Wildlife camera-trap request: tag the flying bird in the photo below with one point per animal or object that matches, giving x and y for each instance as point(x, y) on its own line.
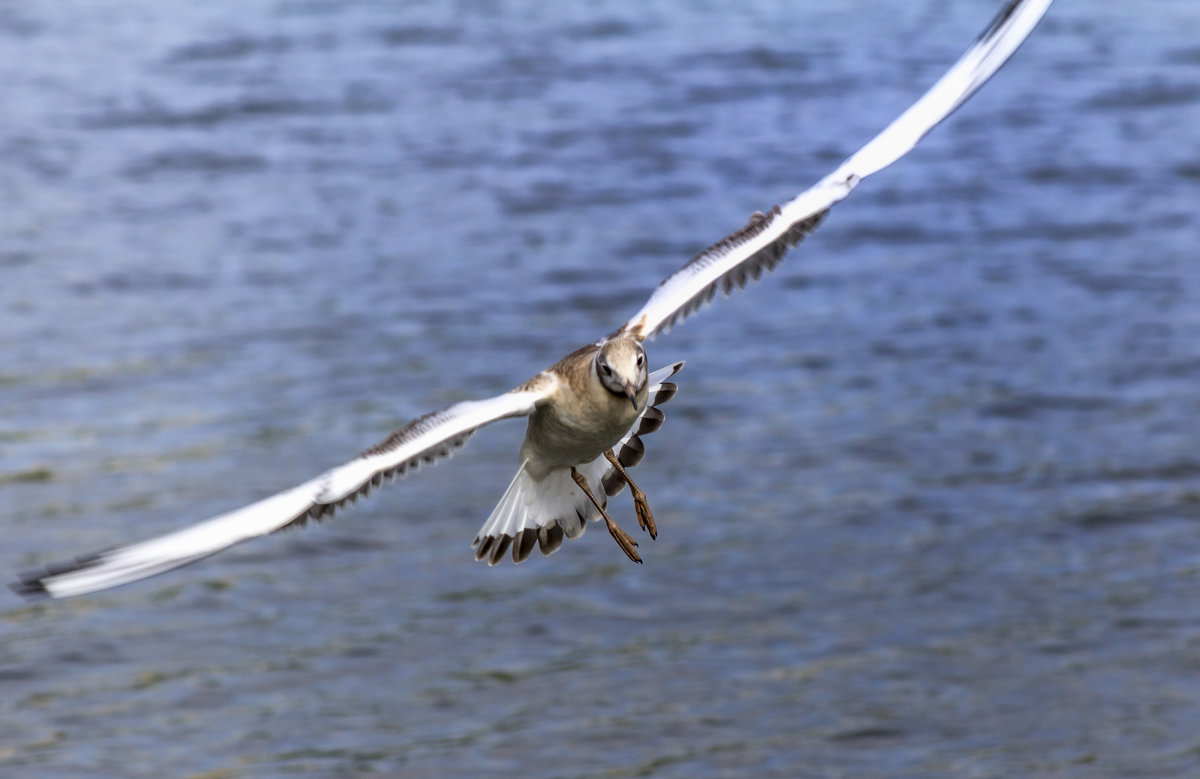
point(589, 411)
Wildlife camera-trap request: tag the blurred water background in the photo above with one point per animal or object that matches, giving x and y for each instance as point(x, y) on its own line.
point(929, 497)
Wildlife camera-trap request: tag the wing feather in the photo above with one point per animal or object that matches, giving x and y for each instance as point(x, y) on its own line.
point(425, 440)
point(763, 242)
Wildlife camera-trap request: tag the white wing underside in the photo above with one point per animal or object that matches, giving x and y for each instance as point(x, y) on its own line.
point(427, 439)
point(763, 242)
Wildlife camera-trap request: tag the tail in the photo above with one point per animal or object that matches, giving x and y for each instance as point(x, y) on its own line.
point(541, 513)
point(537, 513)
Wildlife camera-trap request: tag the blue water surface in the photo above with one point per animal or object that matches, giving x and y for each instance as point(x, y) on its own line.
point(928, 497)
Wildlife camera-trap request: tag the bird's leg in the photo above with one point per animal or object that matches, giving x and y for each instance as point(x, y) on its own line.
point(645, 518)
point(622, 538)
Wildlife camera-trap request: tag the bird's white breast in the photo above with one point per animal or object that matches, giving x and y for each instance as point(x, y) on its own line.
point(577, 427)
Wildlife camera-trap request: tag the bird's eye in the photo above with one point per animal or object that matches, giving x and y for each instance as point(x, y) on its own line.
point(641, 360)
point(607, 370)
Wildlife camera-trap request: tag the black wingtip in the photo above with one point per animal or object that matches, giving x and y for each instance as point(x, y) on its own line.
point(29, 586)
point(32, 584)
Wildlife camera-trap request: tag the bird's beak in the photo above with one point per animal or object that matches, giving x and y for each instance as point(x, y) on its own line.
point(631, 393)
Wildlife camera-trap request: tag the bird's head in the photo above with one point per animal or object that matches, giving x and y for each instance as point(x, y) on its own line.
point(621, 366)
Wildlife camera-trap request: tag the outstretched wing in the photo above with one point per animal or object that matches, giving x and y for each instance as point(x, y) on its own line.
point(425, 440)
point(762, 243)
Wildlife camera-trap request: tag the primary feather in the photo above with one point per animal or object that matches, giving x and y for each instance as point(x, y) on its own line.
point(762, 243)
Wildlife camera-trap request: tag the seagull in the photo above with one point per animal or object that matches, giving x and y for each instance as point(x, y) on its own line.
point(588, 412)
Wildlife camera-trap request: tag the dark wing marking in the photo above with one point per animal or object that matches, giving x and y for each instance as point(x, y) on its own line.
point(425, 440)
point(761, 244)
point(630, 450)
